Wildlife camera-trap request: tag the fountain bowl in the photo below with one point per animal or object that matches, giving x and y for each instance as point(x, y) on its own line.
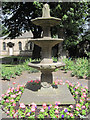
point(46, 21)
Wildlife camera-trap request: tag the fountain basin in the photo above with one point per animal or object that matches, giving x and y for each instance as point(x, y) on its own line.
point(47, 67)
point(46, 21)
point(46, 41)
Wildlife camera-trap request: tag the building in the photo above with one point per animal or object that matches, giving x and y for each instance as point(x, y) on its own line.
point(23, 47)
point(18, 46)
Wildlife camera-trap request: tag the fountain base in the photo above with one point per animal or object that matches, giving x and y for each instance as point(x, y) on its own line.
point(48, 96)
point(46, 79)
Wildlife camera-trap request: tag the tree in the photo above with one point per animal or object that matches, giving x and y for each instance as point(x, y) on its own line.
point(72, 19)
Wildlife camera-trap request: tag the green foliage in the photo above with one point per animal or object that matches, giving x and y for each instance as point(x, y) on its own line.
point(11, 71)
point(79, 67)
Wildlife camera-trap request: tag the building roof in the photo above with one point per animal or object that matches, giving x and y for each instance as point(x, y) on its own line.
point(25, 35)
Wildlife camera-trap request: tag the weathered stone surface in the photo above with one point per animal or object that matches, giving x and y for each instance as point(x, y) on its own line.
point(48, 96)
point(46, 11)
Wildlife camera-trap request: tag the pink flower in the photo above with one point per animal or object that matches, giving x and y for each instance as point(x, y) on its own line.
point(67, 81)
point(76, 92)
point(71, 114)
point(86, 87)
point(32, 109)
point(13, 111)
point(14, 83)
point(81, 100)
point(7, 94)
point(13, 96)
point(56, 106)
point(12, 89)
point(33, 104)
point(83, 106)
point(19, 92)
point(7, 101)
point(84, 95)
point(8, 90)
point(12, 100)
point(68, 113)
point(77, 109)
point(56, 111)
point(84, 90)
point(42, 110)
point(44, 104)
point(87, 98)
point(70, 84)
point(22, 105)
point(78, 84)
point(14, 115)
point(7, 112)
point(60, 81)
point(29, 105)
point(78, 105)
point(76, 87)
point(50, 105)
point(57, 103)
point(44, 107)
point(2, 95)
point(56, 82)
point(71, 106)
point(14, 104)
point(0, 98)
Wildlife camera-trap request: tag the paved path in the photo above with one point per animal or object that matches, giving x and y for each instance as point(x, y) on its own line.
point(4, 84)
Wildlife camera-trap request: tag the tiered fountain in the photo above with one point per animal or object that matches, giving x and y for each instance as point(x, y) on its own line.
point(46, 66)
point(47, 93)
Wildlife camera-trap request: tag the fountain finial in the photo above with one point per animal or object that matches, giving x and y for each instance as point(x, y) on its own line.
point(46, 11)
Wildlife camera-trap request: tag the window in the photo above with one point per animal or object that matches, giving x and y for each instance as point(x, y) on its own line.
point(4, 46)
point(20, 45)
point(31, 46)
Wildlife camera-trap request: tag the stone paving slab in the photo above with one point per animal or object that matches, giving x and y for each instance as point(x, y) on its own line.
point(48, 96)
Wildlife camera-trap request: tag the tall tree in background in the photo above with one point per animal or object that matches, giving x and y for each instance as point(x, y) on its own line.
point(73, 15)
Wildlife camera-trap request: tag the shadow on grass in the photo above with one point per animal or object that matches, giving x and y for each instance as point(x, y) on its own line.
point(13, 60)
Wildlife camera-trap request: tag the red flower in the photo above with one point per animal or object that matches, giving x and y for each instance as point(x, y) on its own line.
point(14, 83)
point(31, 81)
point(35, 81)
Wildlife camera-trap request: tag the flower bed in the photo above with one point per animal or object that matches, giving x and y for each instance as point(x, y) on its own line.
point(10, 104)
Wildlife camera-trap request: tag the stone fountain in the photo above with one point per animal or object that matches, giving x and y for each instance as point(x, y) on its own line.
point(47, 93)
point(46, 66)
